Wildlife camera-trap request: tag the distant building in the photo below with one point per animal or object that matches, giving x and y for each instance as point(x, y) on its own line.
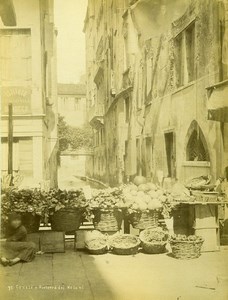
point(72, 103)
point(28, 81)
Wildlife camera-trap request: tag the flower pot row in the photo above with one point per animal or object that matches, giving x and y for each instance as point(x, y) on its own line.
point(69, 220)
point(66, 210)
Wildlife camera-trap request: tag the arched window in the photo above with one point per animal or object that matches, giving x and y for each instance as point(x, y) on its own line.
point(196, 149)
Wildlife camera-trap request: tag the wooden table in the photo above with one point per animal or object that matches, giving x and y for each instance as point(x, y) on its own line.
point(200, 218)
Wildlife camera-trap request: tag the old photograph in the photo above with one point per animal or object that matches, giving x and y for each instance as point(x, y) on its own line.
point(114, 149)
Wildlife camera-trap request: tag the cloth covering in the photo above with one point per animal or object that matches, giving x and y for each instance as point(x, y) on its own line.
point(17, 246)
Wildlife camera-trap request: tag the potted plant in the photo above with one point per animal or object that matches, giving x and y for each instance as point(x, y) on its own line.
point(66, 209)
point(106, 209)
point(28, 203)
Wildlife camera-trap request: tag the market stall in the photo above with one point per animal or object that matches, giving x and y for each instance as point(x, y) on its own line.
point(189, 217)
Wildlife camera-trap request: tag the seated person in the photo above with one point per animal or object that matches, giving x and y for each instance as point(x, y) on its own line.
point(15, 247)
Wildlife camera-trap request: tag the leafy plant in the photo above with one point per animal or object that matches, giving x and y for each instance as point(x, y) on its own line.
point(57, 199)
point(73, 137)
point(107, 199)
point(21, 201)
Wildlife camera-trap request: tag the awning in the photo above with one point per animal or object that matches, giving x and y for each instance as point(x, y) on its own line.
point(218, 103)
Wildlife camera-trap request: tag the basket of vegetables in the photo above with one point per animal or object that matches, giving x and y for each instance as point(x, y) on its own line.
point(66, 209)
point(154, 240)
point(144, 204)
point(144, 219)
point(98, 245)
point(29, 203)
point(106, 208)
point(186, 247)
point(125, 244)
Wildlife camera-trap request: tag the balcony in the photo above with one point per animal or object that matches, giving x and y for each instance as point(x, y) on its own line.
point(96, 116)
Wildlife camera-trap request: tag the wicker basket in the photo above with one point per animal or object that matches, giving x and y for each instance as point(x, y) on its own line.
point(153, 247)
point(97, 249)
point(186, 249)
point(144, 219)
point(108, 220)
point(131, 249)
point(67, 220)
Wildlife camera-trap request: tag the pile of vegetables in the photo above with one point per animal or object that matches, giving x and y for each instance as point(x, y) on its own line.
point(153, 235)
point(22, 201)
point(146, 197)
point(57, 199)
point(124, 241)
point(135, 197)
point(142, 197)
point(40, 202)
point(96, 244)
point(107, 199)
point(185, 238)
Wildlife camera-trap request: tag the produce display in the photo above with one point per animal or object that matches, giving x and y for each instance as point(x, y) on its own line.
point(40, 203)
point(186, 247)
point(125, 244)
point(154, 235)
point(184, 238)
point(57, 199)
point(141, 202)
point(97, 245)
point(143, 197)
point(29, 203)
point(21, 201)
point(154, 240)
point(107, 199)
point(199, 183)
point(151, 197)
point(135, 197)
point(124, 241)
point(66, 209)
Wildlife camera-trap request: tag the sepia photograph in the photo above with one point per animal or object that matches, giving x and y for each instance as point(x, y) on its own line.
point(114, 149)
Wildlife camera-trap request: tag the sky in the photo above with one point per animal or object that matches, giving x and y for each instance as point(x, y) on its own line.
point(69, 21)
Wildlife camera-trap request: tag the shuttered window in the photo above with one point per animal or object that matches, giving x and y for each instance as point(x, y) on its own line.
point(22, 156)
point(15, 55)
point(26, 157)
point(4, 155)
point(185, 56)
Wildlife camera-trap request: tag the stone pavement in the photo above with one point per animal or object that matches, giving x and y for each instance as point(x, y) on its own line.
point(77, 275)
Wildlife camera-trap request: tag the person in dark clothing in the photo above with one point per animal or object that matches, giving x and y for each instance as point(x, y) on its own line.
point(15, 247)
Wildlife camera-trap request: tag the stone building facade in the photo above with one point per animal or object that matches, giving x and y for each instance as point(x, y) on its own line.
point(28, 81)
point(157, 88)
point(72, 103)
